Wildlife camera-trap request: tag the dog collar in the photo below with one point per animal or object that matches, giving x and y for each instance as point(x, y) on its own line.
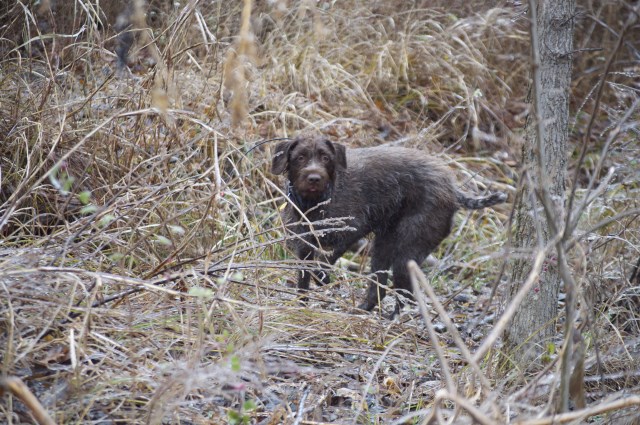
point(303, 205)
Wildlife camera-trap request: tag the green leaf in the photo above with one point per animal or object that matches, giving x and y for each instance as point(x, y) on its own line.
point(551, 348)
point(67, 182)
point(84, 197)
point(53, 178)
point(176, 229)
point(198, 291)
point(162, 240)
point(88, 209)
point(234, 417)
point(116, 256)
point(106, 220)
point(235, 364)
point(248, 406)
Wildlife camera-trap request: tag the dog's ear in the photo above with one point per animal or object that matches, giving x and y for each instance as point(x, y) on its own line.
point(341, 156)
point(340, 152)
point(280, 160)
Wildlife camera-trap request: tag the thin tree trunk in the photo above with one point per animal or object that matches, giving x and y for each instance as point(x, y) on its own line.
point(544, 168)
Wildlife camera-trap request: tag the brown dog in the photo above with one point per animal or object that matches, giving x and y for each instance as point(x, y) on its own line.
point(404, 197)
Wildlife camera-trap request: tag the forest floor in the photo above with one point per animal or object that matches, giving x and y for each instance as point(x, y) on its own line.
point(143, 268)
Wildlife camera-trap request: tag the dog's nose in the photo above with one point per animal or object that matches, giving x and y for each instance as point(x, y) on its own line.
point(314, 178)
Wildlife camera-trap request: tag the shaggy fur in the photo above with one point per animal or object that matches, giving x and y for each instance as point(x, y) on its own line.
point(404, 197)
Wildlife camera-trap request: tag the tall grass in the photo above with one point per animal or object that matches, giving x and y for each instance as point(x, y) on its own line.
point(142, 266)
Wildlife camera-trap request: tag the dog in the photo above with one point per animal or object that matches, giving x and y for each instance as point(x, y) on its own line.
point(336, 196)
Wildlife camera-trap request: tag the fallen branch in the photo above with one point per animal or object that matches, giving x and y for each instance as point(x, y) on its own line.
point(19, 389)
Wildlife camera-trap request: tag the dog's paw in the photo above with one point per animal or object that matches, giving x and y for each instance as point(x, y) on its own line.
point(321, 277)
point(358, 310)
point(366, 306)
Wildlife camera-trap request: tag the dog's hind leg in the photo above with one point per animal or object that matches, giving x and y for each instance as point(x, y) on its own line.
point(380, 264)
point(413, 238)
point(402, 280)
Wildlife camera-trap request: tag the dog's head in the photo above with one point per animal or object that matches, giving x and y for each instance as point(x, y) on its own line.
point(311, 165)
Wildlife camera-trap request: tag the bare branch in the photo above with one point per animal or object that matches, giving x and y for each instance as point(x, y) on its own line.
point(514, 303)
point(581, 415)
point(18, 388)
point(419, 277)
point(433, 337)
point(631, 19)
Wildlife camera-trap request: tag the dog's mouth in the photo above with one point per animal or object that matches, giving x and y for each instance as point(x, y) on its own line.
point(313, 191)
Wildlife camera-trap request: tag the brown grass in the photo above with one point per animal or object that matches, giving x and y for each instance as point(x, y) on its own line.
point(142, 267)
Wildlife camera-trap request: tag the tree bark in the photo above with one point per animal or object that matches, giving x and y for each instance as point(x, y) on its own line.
point(544, 159)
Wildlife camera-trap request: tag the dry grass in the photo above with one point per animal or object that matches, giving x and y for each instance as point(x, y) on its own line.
point(142, 267)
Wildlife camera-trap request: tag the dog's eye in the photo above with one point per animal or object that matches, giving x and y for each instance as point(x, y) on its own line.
point(300, 158)
point(324, 158)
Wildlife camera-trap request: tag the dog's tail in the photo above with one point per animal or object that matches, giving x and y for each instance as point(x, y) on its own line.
point(478, 203)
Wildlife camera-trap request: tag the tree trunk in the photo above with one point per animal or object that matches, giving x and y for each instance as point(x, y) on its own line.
point(544, 168)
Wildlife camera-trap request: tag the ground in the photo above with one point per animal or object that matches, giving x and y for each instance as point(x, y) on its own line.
point(143, 268)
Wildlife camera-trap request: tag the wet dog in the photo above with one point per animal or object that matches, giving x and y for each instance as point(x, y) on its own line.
point(406, 198)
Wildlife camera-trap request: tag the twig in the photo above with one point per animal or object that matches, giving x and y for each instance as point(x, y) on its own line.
point(416, 273)
point(301, 406)
point(515, 302)
point(444, 364)
point(633, 16)
point(365, 390)
point(569, 244)
point(479, 416)
point(584, 413)
point(568, 347)
point(18, 388)
point(575, 216)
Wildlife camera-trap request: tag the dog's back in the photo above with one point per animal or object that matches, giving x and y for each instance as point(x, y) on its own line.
point(381, 183)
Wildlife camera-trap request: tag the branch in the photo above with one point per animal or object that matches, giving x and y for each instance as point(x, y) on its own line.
point(451, 386)
point(515, 302)
point(584, 413)
point(633, 16)
point(418, 276)
point(18, 388)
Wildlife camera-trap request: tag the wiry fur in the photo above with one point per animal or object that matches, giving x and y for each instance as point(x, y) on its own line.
point(404, 197)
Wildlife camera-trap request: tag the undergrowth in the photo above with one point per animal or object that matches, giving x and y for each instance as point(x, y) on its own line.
point(142, 261)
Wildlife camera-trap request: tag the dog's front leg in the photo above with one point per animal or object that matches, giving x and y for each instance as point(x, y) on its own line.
point(304, 275)
point(321, 275)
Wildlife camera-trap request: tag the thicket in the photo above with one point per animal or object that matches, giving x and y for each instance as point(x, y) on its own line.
point(142, 266)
